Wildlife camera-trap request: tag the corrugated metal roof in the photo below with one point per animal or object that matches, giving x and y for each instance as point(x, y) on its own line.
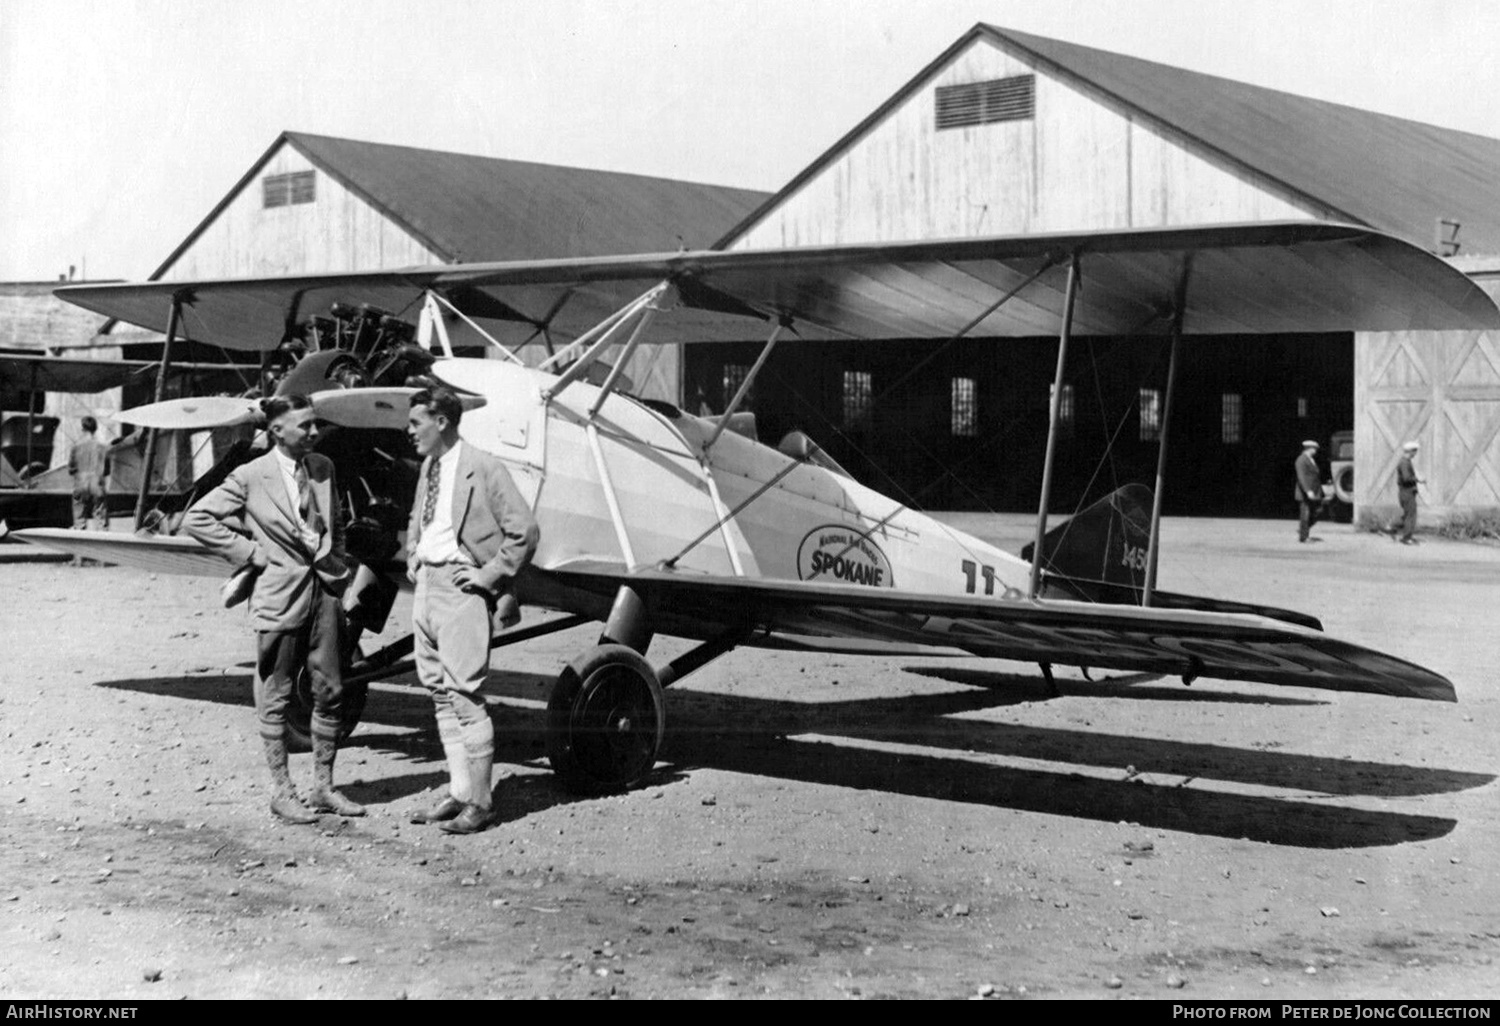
point(1393, 174)
point(469, 208)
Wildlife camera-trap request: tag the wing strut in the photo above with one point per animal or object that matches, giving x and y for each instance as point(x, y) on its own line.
point(669, 564)
point(744, 389)
point(609, 326)
point(605, 389)
point(149, 457)
point(1056, 410)
point(431, 322)
point(1154, 546)
point(30, 426)
point(432, 315)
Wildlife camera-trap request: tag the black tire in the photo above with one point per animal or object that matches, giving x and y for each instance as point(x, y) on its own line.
point(1343, 485)
point(299, 712)
point(605, 721)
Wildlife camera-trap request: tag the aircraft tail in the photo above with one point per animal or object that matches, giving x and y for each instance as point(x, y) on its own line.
point(1100, 555)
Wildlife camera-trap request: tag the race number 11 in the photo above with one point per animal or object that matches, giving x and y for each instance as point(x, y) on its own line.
point(971, 574)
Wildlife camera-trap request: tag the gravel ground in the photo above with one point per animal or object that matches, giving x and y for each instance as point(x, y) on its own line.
point(821, 826)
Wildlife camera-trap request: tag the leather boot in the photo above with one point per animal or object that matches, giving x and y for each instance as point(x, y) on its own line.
point(478, 814)
point(323, 797)
point(285, 804)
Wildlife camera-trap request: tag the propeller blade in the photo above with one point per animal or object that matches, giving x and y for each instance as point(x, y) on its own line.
point(373, 407)
point(192, 414)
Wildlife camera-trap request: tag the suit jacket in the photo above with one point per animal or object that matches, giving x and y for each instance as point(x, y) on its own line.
point(1406, 475)
point(250, 519)
point(491, 521)
point(1309, 480)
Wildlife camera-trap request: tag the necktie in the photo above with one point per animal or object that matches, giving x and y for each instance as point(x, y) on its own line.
point(305, 506)
point(430, 500)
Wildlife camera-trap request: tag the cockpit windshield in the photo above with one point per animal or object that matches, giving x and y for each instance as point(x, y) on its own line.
point(797, 445)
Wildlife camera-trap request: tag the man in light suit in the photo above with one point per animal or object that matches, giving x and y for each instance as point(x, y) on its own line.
point(1309, 490)
point(276, 520)
point(471, 533)
point(88, 462)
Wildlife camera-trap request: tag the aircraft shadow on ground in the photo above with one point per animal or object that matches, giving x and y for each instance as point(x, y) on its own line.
point(760, 737)
point(1020, 688)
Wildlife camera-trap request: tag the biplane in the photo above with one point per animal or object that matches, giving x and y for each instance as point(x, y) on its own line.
point(31, 494)
point(655, 520)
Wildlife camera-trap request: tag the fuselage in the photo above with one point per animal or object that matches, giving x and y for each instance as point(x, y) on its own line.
point(637, 485)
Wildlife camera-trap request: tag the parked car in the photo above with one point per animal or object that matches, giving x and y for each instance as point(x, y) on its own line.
point(1341, 469)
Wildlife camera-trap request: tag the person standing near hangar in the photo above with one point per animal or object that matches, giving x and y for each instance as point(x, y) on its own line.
point(88, 462)
point(1309, 490)
point(1406, 493)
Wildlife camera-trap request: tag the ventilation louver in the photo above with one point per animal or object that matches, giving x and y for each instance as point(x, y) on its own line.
point(980, 103)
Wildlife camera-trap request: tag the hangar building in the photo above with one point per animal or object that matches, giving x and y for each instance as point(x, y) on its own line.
point(1009, 133)
point(313, 203)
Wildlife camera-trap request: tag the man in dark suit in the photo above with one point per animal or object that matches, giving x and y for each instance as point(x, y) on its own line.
point(471, 532)
point(276, 520)
point(1309, 490)
point(1406, 493)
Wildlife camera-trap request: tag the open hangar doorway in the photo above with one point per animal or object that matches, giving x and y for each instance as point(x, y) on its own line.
point(962, 425)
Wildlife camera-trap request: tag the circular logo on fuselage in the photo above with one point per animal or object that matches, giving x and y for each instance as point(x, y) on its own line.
point(840, 555)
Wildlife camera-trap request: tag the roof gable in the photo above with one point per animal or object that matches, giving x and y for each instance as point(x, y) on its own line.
point(1392, 173)
point(1344, 163)
point(468, 208)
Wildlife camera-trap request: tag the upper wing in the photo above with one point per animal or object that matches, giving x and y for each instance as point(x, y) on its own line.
point(1191, 643)
point(74, 374)
point(1267, 277)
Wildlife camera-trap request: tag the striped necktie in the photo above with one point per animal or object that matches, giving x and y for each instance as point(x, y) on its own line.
point(430, 500)
point(305, 505)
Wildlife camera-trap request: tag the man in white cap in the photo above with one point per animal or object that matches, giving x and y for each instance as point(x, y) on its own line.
point(1406, 490)
point(1309, 490)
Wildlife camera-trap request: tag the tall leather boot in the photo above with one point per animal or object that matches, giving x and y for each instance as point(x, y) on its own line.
point(285, 805)
point(323, 797)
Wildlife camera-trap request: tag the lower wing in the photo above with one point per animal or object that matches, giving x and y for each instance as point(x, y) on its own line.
point(158, 554)
point(1190, 643)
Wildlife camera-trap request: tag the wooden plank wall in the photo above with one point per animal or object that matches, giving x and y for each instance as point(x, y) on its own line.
point(1441, 390)
point(339, 231)
point(1077, 165)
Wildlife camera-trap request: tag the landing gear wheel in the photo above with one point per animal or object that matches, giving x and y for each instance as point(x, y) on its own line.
point(605, 720)
point(299, 710)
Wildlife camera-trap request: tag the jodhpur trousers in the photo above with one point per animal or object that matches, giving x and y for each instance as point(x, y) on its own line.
point(281, 655)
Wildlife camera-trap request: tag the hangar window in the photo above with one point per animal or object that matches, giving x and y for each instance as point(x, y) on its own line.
point(734, 377)
point(1066, 412)
point(282, 190)
point(857, 393)
point(1233, 420)
point(965, 407)
point(1150, 402)
point(980, 103)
